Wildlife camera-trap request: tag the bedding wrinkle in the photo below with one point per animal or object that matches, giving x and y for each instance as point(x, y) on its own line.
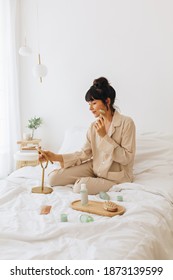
point(143, 232)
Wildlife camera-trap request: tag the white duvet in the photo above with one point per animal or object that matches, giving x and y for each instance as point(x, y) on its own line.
point(144, 231)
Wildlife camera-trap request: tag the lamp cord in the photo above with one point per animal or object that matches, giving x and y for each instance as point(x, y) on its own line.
point(38, 27)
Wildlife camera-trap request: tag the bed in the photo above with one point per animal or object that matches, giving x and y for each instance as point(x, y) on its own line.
point(143, 232)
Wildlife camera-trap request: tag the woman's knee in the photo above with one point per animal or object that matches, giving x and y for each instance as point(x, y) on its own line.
point(61, 177)
point(57, 178)
point(52, 178)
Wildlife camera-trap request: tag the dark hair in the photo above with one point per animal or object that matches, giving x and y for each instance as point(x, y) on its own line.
point(101, 90)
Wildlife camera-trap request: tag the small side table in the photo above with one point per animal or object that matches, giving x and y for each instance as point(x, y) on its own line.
point(27, 155)
point(29, 145)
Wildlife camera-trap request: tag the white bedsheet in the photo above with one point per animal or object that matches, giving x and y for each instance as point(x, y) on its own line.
point(144, 231)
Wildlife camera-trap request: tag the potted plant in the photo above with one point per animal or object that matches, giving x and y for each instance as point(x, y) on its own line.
point(33, 124)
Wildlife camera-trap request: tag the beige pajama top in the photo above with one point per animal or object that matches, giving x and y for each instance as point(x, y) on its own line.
point(112, 155)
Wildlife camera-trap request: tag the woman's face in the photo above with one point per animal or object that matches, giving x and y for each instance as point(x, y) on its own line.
point(95, 106)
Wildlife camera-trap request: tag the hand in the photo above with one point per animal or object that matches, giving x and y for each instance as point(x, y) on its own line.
point(100, 126)
point(45, 156)
point(49, 156)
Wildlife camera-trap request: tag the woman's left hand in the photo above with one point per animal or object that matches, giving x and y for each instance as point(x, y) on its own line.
point(100, 127)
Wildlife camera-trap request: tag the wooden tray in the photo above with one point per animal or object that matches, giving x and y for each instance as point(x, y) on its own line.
point(96, 207)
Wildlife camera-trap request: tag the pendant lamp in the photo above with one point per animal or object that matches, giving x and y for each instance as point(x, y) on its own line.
point(25, 50)
point(39, 70)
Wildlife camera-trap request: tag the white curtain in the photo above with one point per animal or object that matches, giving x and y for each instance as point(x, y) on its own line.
point(9, 99)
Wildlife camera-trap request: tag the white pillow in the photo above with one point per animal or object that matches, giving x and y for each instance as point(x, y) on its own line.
point(74, 139)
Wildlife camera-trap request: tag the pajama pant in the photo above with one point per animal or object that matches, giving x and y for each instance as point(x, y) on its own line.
point(80, 174)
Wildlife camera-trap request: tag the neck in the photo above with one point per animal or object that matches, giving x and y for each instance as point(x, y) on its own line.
point(108, 116)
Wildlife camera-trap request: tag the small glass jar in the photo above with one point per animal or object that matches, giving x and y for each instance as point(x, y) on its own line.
point(64, 217)
point(84, 218)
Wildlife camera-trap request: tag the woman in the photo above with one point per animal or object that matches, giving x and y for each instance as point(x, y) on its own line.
point(107, 157)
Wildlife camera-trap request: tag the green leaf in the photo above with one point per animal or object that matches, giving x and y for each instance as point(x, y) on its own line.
point(34, 123)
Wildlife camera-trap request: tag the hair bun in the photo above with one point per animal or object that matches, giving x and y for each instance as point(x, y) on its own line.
point(101, 83)
point(101, 90)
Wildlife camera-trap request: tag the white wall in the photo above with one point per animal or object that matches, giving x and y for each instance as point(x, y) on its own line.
point(128, 41)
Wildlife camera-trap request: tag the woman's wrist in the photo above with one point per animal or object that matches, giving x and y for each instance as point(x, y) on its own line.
point(59, 158)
